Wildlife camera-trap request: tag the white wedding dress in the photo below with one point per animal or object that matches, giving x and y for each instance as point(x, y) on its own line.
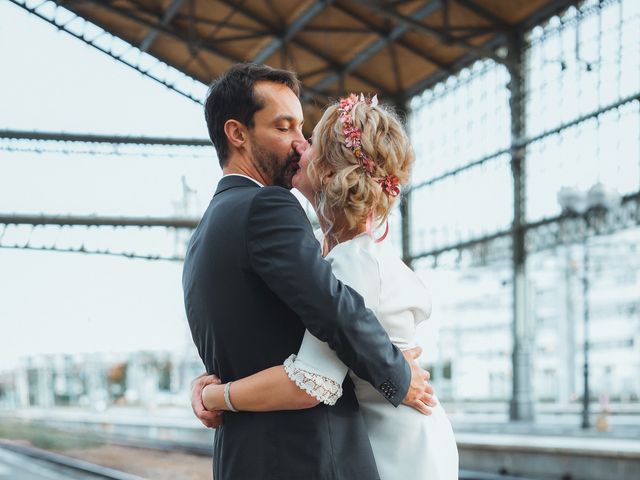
point(406, 443)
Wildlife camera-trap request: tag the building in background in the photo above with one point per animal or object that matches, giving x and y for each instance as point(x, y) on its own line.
point(472, 361)
point(99, 380)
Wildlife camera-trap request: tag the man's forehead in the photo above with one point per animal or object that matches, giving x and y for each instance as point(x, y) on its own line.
point(279, 100)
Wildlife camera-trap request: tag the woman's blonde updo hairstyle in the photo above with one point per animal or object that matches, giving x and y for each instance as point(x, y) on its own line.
point(341, 182)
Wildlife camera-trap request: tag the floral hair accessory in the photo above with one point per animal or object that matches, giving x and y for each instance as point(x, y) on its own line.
point(390, 185)
point(352, 134)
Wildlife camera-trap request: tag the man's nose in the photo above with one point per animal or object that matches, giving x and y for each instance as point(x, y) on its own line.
point(300, 136)
point(300, 146)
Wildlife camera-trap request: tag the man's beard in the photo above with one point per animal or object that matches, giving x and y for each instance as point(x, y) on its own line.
point(279, 170)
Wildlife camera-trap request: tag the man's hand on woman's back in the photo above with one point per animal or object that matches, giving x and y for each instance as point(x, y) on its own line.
point(420, 393)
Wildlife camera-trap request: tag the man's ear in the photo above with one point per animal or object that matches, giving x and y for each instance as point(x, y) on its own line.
point(236, 133)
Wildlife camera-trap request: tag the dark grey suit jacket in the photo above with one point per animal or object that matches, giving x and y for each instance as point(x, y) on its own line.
point(253, 279)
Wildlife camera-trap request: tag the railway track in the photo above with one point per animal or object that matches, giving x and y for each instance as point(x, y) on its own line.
point(73, 468)
point(30, 463)
point(206, 450)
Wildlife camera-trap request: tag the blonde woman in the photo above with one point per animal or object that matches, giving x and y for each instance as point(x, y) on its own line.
point(351, 172)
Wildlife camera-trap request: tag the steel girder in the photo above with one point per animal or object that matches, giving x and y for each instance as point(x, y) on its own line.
point(112, 139)
point(93, 220)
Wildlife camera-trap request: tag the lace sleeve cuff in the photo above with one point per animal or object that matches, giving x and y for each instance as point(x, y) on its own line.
point(321, 388)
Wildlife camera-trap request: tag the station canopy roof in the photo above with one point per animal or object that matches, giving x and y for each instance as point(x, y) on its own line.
point(393, 48)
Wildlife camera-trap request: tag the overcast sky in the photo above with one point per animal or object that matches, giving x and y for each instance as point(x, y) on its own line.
point(63, 302)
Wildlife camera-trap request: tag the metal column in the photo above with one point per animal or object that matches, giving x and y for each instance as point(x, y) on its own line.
point(405, 213)
point(566, 332)
point(521, 407)
point(405, 198)
point(586, 423)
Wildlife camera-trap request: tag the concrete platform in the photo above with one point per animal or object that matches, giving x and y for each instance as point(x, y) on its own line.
point(534, 451)
point(551, 457)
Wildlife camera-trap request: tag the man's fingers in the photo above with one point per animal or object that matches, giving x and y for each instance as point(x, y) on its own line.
point(417, 394)
point(422, 408)
point(429, 399)
point(414, 352)
point(428, 389)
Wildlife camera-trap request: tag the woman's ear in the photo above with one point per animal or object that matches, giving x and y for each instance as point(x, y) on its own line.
point(236, 133)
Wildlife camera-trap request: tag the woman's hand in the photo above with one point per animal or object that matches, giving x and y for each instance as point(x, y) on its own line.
point(213, 397)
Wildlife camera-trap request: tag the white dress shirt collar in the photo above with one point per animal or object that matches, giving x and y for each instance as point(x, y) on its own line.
point(245, 176)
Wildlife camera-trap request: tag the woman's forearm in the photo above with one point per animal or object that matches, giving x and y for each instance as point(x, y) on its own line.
point(265, 391)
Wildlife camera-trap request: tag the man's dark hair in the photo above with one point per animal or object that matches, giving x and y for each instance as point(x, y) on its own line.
point(232, 96)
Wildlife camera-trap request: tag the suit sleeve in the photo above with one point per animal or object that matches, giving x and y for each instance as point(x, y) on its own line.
point(282, 250)
point(316, 368)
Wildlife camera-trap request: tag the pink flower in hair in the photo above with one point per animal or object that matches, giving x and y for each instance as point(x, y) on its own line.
point(352, 143)
point(351, 131)
point(390, 185)
point(352, 134)
point(347, 103)
point(369, 165)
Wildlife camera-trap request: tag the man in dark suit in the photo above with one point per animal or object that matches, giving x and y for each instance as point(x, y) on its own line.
point(254, 279)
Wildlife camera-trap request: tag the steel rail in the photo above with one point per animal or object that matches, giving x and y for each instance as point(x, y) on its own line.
point(202, 449)
point(97, 471)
